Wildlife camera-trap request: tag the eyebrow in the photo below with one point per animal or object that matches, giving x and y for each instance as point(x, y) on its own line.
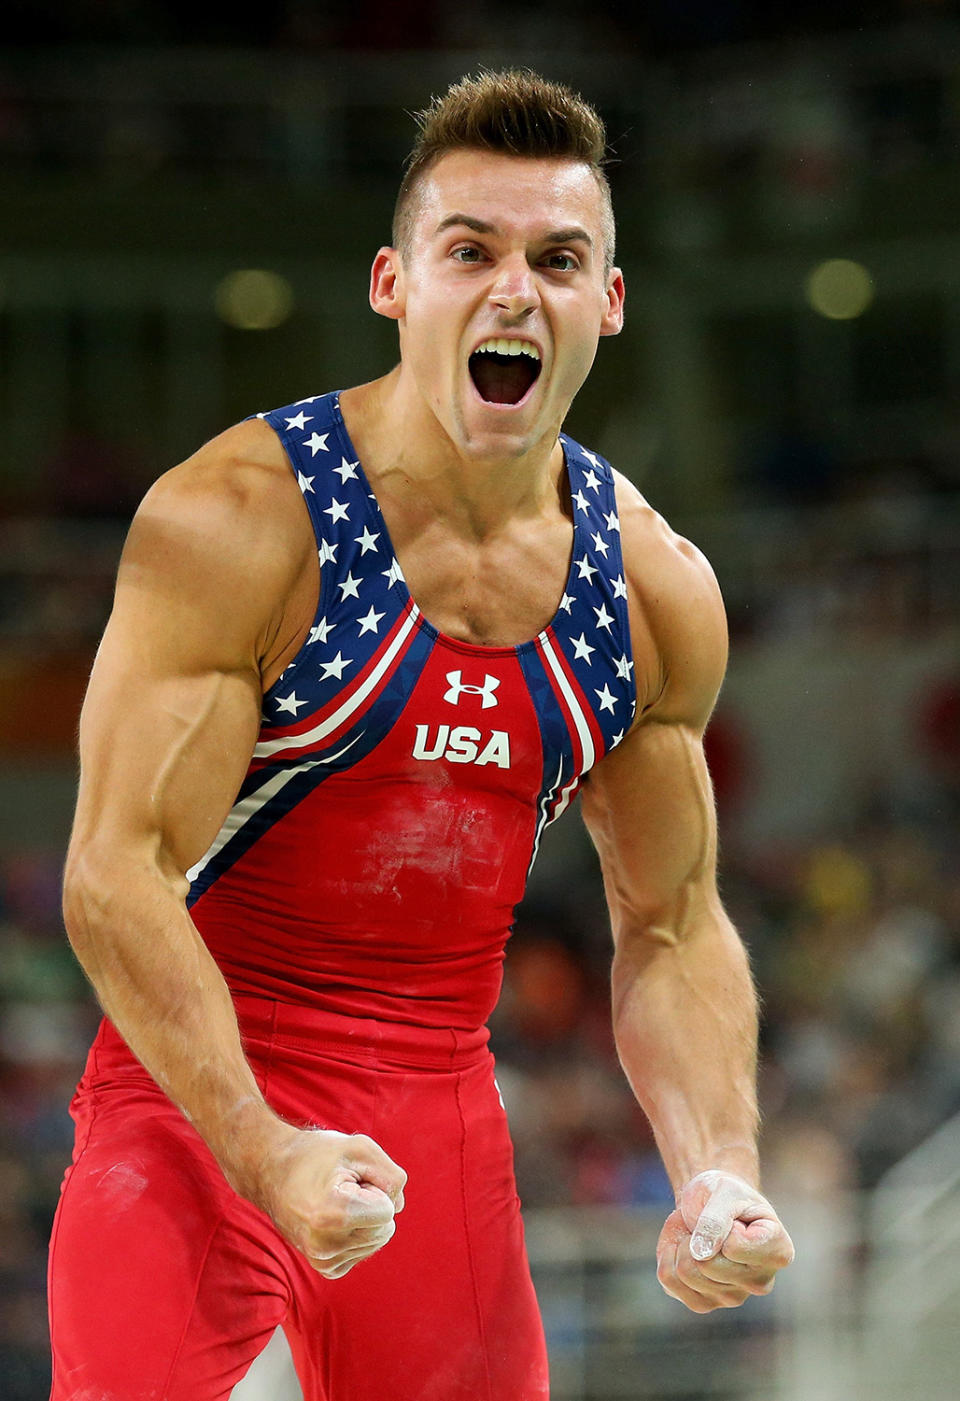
point(572, 235)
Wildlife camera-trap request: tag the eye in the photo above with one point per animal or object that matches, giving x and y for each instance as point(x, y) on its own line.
point(466, 253)
point(561, 262)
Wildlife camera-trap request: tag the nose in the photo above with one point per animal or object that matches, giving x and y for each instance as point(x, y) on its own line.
point(514, 288)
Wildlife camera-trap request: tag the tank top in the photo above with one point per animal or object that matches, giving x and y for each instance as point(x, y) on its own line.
point(402, 779)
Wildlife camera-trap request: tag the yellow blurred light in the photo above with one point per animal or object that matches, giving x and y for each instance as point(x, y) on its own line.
point(840, 289)
point(252, 299)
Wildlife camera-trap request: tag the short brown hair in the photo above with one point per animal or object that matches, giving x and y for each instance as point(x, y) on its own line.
point(515, 112)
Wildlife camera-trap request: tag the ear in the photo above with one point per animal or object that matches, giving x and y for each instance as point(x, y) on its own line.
point(611, 323)
point(386, 284)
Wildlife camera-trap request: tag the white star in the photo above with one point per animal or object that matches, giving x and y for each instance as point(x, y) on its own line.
point(624, 668)
point(346, 469)
point(586, 569)
point(349, 587)
point(336, 667)
point(617, 738)
point(290, 704)
point(337, 511)
point(370, 621)
point(612, 522)
point(601, 544)
point(581, 501)
point(607, 699)
point(582, 649)
point(300, 421)
point(592, 481)
point(566, 601)
point(316, 441)
point(304, 483)
point(312, 400)
point(394, 574)
point(619, 587)
point(604, 619)
point(327, 552)
point(322, 631)
point(591, 458)
point(366, 541)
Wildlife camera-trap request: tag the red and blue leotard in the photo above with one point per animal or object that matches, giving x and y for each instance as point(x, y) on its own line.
point(402, 779)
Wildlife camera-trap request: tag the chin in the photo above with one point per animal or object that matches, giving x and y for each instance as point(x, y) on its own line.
point(487, 430)
point(503, 438)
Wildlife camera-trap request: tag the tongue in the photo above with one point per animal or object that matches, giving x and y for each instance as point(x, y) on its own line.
point(502, 379)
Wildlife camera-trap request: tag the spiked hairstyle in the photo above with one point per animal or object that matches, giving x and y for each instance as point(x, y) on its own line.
point(515, 112)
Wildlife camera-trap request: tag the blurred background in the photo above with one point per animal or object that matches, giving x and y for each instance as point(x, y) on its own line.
point(189, 202)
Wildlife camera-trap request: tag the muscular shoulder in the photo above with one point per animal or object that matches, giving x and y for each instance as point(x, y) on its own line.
point(676, 612)
point(227, 525)
point(239, 481)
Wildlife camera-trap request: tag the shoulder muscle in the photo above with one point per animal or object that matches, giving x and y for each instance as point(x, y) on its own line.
point(214, 549)
point(675, 609)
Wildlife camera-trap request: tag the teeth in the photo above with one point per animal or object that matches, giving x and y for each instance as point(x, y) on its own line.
point(508, 347)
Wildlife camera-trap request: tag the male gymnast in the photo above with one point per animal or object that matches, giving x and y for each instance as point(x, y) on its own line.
point(364, 648)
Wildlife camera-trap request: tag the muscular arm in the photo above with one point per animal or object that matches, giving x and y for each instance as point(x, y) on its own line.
point(168, 726)
point(684, 1007)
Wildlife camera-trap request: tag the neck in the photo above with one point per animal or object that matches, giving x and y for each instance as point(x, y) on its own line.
point(405, 449)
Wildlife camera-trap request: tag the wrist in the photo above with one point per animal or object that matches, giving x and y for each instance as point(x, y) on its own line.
point(736, 1160)
point(249, 1135)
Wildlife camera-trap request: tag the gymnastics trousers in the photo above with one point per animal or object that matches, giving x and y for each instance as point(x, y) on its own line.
point(165, 1284)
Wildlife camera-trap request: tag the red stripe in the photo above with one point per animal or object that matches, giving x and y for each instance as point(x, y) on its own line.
point(562, 703)
point(599, 743)
point(572, 731)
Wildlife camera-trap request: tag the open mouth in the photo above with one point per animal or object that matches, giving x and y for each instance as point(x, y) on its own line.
point(503, 371)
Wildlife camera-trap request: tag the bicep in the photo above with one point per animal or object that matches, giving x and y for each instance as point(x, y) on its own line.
point(172, 711)
point(649, 810)
point(649, 804)
point(163, 751)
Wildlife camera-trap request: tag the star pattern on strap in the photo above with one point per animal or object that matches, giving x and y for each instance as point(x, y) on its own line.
point(367, 541)
point(370, 621)
point(582, 649)
point(290, 704)
point(336, 667)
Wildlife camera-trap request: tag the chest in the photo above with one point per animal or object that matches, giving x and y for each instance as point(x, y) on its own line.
point(498, 592)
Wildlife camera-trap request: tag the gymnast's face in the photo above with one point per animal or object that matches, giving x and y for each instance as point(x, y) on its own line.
point(501, 296)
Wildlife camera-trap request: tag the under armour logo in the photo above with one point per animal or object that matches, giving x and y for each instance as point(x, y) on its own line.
point(457, 688)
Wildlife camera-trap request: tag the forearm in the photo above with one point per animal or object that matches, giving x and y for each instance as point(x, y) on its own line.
point(685, 1023)
point(159, 986)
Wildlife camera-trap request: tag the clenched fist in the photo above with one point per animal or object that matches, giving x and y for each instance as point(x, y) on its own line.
point(334, 1196)
point(723, 1243)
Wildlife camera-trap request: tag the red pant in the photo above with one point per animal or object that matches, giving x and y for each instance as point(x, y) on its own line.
point(164, 1284)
